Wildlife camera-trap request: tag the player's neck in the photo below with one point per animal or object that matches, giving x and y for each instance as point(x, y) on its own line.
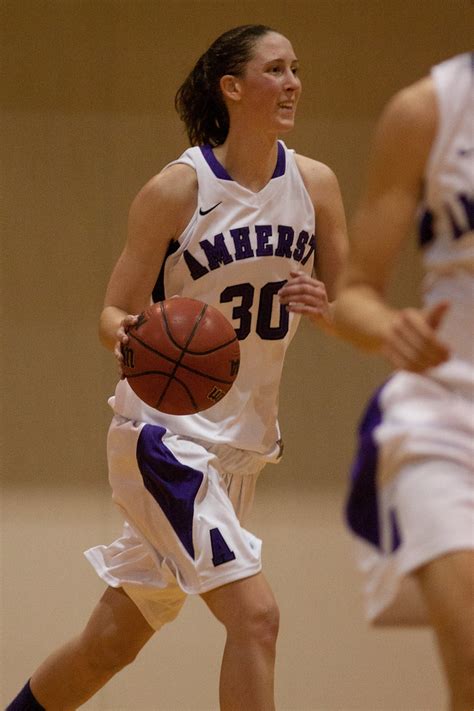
point(250, 163)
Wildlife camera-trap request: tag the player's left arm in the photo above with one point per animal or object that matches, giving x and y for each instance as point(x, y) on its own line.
point(313, 296)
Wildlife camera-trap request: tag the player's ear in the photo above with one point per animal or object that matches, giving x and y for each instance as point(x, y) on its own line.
point(230, 87)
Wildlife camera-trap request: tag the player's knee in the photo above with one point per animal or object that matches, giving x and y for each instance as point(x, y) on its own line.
point(106, 656)
point(260, 623)
point(264, 624)
point(111, 660)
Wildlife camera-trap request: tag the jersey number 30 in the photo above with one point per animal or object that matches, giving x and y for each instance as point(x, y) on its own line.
point(267, 330)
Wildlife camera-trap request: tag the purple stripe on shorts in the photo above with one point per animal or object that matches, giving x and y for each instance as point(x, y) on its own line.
point(172, 484)
point(362, 505)
point(395, 530)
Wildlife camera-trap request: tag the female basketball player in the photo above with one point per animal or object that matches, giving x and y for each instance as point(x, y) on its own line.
point(232, 222)
point(412, 500)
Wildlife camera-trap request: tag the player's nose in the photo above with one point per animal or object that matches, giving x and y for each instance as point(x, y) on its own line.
point(292, 81)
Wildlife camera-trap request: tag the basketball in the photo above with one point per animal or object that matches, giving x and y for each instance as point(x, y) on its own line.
point(182, 356)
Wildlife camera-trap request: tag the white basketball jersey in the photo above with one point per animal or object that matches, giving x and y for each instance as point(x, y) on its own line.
point(235, 254)
point(447, 221)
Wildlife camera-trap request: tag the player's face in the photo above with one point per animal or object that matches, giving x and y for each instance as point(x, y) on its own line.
point(270, 84)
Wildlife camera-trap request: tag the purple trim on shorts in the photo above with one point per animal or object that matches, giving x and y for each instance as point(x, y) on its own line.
point(173, 485)
point(362, 504)
point(395, 531)
point(221, 173)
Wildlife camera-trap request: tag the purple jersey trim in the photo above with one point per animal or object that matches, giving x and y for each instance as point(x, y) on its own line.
point(281, 162)
point(218, 169)
point(221, 173)
point(173, 485)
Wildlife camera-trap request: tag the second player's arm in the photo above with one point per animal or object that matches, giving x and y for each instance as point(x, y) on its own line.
point(381, 224)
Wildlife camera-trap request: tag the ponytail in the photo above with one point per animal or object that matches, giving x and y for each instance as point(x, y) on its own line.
point(199, 101)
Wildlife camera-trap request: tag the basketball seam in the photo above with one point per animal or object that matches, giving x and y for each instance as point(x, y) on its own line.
point(172, 375)
point(177, 362)
point(188, 352)
point(185, 388)
point(185, 367)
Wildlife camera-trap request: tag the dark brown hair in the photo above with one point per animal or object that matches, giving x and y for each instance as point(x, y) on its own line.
point(199, 100)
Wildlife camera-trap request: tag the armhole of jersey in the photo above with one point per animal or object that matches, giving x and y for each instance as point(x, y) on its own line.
point(442, 76)
point(184, 159)
point(178, 244)
point(436, 148)
point(292, 158)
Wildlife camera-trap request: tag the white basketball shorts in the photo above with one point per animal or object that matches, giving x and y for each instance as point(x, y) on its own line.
point(412, 490)
point(183, 502)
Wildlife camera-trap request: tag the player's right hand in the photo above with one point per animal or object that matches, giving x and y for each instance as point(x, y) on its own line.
point(122, 338)
point(412, 342)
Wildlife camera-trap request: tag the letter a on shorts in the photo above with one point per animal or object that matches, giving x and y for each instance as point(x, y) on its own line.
point(221, 552)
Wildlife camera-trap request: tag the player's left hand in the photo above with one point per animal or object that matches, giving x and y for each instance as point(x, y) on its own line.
point(303, 294)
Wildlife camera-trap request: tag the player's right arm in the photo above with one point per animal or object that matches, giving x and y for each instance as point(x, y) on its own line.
point(385, 215)
point(158, 214)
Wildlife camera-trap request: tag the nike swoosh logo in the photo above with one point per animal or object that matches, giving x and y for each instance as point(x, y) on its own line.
point(206, 212)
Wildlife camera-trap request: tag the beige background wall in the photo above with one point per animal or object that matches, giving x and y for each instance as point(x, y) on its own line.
point(87, 117)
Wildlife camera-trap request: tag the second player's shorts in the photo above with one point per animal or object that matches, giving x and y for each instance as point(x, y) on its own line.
point(412, 489)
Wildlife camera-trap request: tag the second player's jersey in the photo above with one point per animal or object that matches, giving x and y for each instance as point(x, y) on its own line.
point(235, 254)
point(447, 220)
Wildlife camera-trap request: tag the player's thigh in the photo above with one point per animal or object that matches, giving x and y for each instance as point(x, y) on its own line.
point(116, 629)
point(243, 604)
point(448, 587)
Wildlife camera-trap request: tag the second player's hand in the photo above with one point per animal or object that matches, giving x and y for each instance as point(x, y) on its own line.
point(303, 294)
point(412, 342)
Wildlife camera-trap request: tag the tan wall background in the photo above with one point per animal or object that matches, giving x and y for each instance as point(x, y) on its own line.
point(86, 118)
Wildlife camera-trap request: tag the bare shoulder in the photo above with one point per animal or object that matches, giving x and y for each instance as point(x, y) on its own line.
point(416, 100)
point(411, 115)
point(403, 138)
point(317, 177)
point(175, 185)
point(169, 198)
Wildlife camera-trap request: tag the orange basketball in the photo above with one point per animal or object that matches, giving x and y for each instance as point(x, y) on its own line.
point(182, 356)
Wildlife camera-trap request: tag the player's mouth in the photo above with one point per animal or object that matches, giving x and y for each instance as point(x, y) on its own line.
point(287, 105)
